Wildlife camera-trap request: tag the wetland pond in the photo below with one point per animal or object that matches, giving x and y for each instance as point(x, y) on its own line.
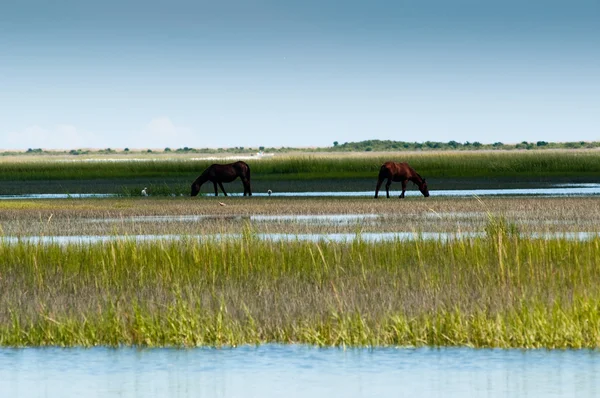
point(585, 189)
point(334, 237)
point(277, 237)
point(273, 370)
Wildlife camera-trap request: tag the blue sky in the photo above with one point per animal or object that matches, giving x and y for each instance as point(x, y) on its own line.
point(152, 74)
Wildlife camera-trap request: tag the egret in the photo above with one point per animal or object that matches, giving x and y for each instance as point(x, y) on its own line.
point(144, 193)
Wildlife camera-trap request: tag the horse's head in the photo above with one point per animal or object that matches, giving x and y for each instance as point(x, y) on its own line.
point(423, 188)
point(195, 188)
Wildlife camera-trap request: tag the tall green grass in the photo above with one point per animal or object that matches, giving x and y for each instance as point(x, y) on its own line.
point(438, 165)
point(499, 291)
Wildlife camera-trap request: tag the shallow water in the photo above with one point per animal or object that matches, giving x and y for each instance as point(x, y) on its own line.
point(333, 237)
point(276, 237)
point(587, 189)
point(298, 371)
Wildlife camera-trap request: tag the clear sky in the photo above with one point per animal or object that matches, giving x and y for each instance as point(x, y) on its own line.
point(154, 73)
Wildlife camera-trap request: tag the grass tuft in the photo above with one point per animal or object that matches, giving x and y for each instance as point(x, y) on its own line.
point(479, 292)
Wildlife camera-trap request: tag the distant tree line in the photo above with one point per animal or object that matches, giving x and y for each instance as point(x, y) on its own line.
point(360, 146)
point(387, 145)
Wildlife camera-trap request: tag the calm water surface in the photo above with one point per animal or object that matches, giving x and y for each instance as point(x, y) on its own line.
point(332, 237)
point(574, 190)
point(586, 189)
point(298, 371)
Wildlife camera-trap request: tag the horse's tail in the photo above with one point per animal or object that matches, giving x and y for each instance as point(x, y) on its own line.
point(383, 172)
point(247, 185)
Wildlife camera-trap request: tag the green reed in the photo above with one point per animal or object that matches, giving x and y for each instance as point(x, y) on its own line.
point(305, 167)
point(503, 290)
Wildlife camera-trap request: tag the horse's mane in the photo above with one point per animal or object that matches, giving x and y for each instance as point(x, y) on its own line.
point(418, 176)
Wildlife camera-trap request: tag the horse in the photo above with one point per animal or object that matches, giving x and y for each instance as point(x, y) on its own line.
point(399, 172)
point(220, 173)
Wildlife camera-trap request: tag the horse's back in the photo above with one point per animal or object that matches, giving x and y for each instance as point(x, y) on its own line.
point(242, 168)
point(228, 166)
point(395, 170)
point(241, 164)
point(228, 172)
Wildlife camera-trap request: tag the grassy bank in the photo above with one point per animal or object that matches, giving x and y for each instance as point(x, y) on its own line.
point(497, 291)
point(430, 164)
point(203, 216)
point(298, 173)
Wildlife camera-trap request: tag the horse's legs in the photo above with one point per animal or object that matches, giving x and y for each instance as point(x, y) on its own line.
point(222, 189)
point(403, 188)
point(216, 192)
point(246, 187)
point(387, 187)
point(379, 182)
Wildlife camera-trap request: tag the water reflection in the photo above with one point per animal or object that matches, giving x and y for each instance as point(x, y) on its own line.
point(298, 371)
point(277, 237)
point(332, 237)
point(585, 189)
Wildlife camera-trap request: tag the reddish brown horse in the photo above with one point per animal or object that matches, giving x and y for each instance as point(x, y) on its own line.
point(399, 172)
point(220, 173)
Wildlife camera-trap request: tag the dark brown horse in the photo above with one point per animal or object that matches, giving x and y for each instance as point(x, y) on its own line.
point(399, 172)
point(220, 173)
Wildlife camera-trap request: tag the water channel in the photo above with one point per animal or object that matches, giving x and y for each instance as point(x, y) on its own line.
point(298, 371)
point(586, 189)
point(277, 237)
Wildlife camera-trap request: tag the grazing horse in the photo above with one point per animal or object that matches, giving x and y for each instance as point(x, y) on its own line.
point(399, 172)
point(220, 173)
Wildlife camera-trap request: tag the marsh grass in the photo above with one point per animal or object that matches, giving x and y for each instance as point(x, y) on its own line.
point(302, 173)
point(204, 216)
point(435, 164)
point(499, 291)
point(502, 290)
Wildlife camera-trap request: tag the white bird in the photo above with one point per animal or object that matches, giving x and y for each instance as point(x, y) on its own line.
point(144, 193)
point(269, 192)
